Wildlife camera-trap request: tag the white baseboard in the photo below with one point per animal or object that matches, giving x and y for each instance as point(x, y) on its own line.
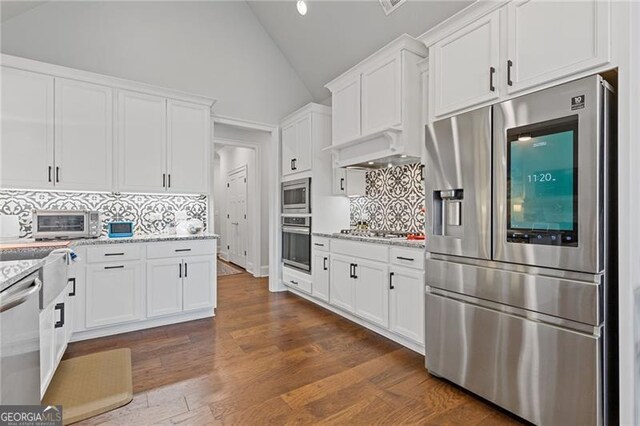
point(264, 271)
point(224, 255)
point(141, 325)
point(384, 332)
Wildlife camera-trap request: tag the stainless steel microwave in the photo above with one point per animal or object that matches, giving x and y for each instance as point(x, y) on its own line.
point(296, 196)
point(66, 224)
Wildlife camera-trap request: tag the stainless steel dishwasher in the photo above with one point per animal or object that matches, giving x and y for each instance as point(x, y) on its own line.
point(20, 342)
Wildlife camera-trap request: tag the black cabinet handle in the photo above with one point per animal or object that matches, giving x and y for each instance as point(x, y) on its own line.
point(114, 267)
point(324, 264)
point(164, 180)
point(509, 65)
point(179, 250)
point(351, 270)
point(408, 259)
point(341, 184)
point(355, 272)
point(492, 71)
point(169, 181)
point(49, 173)
point(391, 274)
point(57, 174)
point(318, 244)
point(186, 270)
point(422, 172)
point(293, 282)
point(73, 281)
point(180, 270)
point(291, 164)
point(114, 254)
point(59, 307)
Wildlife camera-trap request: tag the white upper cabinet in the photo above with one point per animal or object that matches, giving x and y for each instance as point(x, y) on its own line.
point(188, 138)
point(382, 95)
point(549, 40)
point(303, 136)
point(83, 136)
point(142, 147)
point(345, 100)
point(465, 66)
point(376, 105)
point(26, 145)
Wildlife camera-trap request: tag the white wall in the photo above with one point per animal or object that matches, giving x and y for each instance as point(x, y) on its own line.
point(217, 196)
point(217, 49)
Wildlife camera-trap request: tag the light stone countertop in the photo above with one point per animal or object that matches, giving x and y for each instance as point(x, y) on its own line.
point(400, 242)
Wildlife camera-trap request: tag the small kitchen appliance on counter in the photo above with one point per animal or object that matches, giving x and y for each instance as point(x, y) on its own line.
point(120, 229)
point(66, 224)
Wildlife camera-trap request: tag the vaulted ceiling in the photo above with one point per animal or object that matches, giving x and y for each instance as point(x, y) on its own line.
point(333, 35)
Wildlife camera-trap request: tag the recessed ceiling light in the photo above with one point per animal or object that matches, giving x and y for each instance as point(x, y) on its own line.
point(302, 7)
point(403, 156)
point(370, 163)
point(389, 165)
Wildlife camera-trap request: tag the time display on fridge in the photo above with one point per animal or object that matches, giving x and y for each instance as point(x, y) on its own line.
point(542, 184)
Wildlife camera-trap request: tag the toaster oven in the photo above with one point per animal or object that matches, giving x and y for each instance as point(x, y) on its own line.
point(66, 224)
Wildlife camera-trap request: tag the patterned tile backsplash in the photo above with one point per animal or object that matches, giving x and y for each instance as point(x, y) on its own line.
point(394, 200)
point(142, 209)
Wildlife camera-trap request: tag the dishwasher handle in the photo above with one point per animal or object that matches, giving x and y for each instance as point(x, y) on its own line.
point(24, 290)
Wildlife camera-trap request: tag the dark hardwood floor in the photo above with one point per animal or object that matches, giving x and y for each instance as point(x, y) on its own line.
point(278, 359)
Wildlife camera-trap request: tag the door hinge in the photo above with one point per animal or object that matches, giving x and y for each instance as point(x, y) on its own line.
point(245, 252)
point(227, 247)
point(245, 180)
point(227, 184)
point(245, 216)
point(228, 217)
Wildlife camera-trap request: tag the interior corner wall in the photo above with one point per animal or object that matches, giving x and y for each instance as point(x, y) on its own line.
point(212, 48)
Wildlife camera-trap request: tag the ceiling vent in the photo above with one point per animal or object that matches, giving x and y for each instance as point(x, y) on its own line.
point(391, 5)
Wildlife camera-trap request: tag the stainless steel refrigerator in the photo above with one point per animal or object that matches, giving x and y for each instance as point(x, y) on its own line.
point(520, 274)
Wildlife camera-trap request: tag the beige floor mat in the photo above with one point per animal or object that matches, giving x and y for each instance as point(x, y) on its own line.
point(93, 384)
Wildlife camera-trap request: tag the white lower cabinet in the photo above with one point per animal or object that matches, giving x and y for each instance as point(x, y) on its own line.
point(198, 285)
point(114, 293)
point(406, 303)
point(164, 287)
point(320, 268)
point(372, 291)
point(341, 283)
point(377, 286)
point(56, 327)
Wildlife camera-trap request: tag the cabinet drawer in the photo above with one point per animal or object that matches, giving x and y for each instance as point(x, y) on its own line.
point(321, 243)
point(296, 280)
point(377, 252)
point(180, 248)
point(113, 253)
point(411, 258)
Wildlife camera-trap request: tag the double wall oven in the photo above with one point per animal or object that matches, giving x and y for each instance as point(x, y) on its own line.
point(296, 224)
point(521, 265)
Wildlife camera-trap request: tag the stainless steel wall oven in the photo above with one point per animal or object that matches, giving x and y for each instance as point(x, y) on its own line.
point(296, 242)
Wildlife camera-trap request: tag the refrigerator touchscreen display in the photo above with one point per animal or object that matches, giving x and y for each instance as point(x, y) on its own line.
point(542, 184)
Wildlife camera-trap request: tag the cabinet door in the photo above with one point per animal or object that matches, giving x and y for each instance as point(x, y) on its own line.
point(289, 147)
point(356, 182)
point(462, 66)
point(381, 95)
point(340, 181)
point(341, 291)
point(302, 159)
point(26, 143)
point(188, 129)
point(406, 296)
point(114, 294)
point(346, 112)
point(550, 40)
point(142, 147)
point(199, 282)
point(320, 268)
point(372, 291)
point(60, 310)
point(164, 286)
point(47, 347)
point(84, 138)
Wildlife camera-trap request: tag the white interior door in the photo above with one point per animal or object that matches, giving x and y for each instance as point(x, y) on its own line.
point(237, 216)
